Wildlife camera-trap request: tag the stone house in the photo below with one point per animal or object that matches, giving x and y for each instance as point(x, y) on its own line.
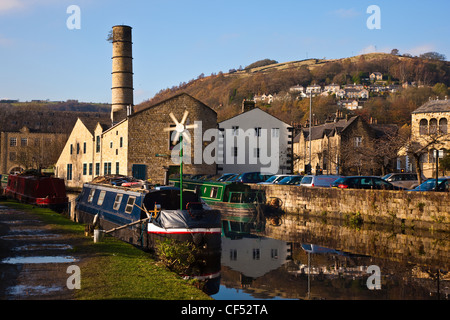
point(430, 134)
point(337, 147)
point(35, 138)
point(138, 145)
point(374, 76)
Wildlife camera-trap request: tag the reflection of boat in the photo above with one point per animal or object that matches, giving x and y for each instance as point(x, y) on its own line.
point(38, 190)
point(313, 248)
point(142, 216)
point(236, 201)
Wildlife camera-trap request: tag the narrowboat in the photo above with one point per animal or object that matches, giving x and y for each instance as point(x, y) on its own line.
point(36, 189)
point(236, 201)
point(141, 216)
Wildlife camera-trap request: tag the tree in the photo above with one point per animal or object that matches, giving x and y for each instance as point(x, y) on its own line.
point(433, 56)
point(395, 52)
point(444, 163)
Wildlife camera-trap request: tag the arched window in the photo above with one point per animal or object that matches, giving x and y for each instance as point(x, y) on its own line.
point(443, 126)
point(423, 127)
point(433, 126)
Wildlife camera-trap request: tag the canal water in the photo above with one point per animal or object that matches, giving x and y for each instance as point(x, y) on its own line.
point(304, 258)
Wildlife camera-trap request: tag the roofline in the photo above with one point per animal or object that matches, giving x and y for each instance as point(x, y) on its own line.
point(289, 126)
point(173, 97)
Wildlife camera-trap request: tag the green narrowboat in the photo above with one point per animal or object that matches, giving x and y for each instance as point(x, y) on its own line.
point(236, 201)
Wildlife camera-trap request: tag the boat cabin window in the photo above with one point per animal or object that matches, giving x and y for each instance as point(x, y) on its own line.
point(117, 201)
point(91, 195)
point(101, 197)
point(130, 204)
point(214, 192)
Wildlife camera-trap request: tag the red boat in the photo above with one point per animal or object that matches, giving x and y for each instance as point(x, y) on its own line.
point(37, 190)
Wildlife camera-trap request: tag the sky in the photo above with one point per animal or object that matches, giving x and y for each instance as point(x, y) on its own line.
point(49, 51)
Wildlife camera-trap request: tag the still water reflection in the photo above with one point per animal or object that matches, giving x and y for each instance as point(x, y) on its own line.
point(308, 259)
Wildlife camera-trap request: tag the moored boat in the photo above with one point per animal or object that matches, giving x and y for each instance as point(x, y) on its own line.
point(38, 190)
point(236, 201)
point(142, 216)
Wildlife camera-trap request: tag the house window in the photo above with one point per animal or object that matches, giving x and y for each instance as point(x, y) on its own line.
point(69, 172)
point(107, 168)
point(358, 141)
point(71, 149)
point(111, 145)
point(130, 204)
point(117, 201)
point(117, 167)
point(97, 169)
point(443, 126)
point(24, 142)
point(235, 130)
point(97, 144)
point(13, 142)
point(275, 132)
point(84, 169)
point(423, 126)
point(84, 147)
point(258, 132)
point(121, 142)
point(90, 169)
point(101, 197)
point(78, 148)
point(433, 126)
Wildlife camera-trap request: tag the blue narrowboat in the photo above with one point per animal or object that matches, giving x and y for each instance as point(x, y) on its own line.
point(141, 217)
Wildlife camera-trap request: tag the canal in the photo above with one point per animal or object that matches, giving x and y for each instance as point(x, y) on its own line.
point(306, 258)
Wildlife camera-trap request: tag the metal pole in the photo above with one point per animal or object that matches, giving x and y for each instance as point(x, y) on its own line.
point(310, 126)
point(181, 172)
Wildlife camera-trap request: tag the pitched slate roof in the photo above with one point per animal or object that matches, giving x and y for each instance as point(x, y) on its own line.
point(434, 106)
point(327, 129)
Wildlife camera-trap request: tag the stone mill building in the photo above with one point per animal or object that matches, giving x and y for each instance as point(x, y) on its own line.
point(132, 143)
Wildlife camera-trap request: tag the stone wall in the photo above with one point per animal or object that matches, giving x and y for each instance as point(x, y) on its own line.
point(149, 144)
point(428, 210)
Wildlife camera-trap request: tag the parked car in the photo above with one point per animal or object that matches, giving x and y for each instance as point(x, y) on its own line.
point(323, 181)
point(364, 182)
point(291, 180)
point(404, 180)
point(251, 177)
point(430, 185)
point(274, 179)
point(226, 176)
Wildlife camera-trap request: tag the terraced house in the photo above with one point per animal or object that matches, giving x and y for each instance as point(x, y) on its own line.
point(430, 136)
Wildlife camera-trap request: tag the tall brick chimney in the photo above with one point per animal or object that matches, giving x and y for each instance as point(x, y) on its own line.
point(122, 74)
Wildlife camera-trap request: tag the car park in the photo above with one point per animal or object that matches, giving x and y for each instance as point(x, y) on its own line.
point(291, 180)
point(404, 180)
point(274, 179)
point(323, 181)
point(364, 182)
point(226, 176)
point(430, 185)
point(251, 177)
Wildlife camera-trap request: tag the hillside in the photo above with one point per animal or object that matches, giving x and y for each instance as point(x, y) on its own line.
point(224, 92)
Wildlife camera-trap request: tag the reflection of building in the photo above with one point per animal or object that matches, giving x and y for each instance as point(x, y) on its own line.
point(429, 129)
point(254, 256)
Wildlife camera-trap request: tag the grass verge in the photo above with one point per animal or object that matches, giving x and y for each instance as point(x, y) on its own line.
point(113, 269)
